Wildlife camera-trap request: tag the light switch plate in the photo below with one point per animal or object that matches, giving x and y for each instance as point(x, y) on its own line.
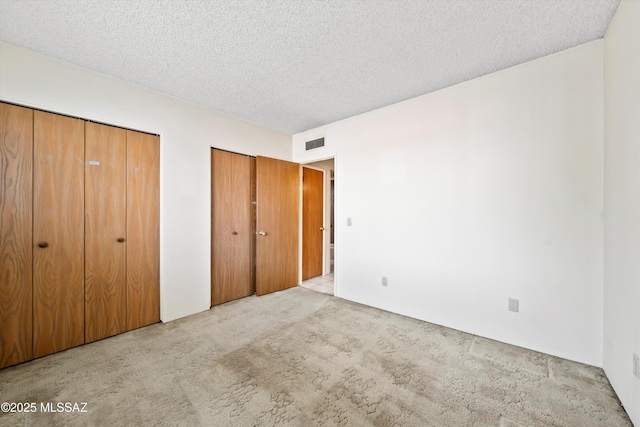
point(636, 365)
point(514, 305)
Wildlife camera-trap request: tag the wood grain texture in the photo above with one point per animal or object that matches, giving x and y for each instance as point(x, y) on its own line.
point(16, 225)
point(242, 229)
point(220, 226)
point(105, 223)
point(253, 225)
point(232, 229)
point(278, 196)
point(58, 204)
point(143, 229)
point(312, 222)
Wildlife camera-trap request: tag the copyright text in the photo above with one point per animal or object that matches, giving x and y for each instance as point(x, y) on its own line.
point(43, 407)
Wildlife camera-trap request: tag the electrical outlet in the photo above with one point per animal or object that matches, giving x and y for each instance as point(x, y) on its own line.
point(514, 305)
point(636, 365)
point(349, 222)
point(385, 281)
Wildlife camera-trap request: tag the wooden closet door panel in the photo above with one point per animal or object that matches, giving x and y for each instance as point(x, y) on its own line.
point(105, 226)
point(58, 206)
point(278, 194)
point(16, 238)
point(221, 211)
point(242, 231)
point(252, 166)
point(232, 227)
point(143, 229)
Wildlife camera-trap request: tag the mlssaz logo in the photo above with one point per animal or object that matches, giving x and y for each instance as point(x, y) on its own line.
point(63, 407)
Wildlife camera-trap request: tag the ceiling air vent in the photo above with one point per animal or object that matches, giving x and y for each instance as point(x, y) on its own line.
point(316, 143)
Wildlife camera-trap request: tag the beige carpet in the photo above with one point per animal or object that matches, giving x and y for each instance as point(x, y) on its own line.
point(301, 358)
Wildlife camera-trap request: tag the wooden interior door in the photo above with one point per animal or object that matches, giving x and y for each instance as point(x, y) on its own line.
point(312, 222)
point(58, 233)
point(278, 197)
point(143, 229)
point(16, 238)
point(232, 229)
point(105, 231)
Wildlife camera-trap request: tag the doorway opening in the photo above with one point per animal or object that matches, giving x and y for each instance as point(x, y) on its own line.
point(318, 261)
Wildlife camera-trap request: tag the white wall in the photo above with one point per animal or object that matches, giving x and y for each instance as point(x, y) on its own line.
point(186, 134)
point(479, 192)
point(622, 204)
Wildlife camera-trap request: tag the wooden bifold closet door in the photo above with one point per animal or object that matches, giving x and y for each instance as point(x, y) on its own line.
point(232, 226)
point(105, 231)
point(58, 233)
point(143, 229)
point(79, 249)
point(16, 240)
point(254, 247)
point(122, 262)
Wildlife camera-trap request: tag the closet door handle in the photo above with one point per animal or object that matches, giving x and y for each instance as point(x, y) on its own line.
point(120, 239)
point(43, 245)
point(261, 233)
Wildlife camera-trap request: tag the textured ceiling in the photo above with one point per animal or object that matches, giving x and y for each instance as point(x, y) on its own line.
point(293, 65)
